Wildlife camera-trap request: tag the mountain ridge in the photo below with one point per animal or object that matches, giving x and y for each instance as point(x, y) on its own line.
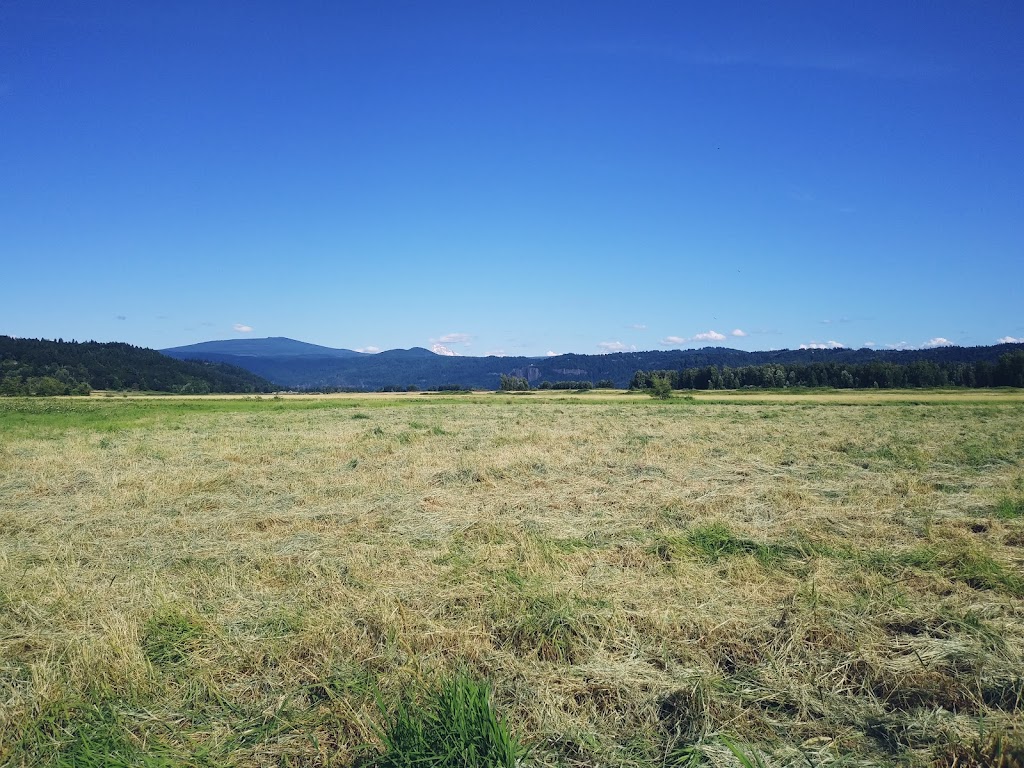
point(270, 346)
point(423, 368)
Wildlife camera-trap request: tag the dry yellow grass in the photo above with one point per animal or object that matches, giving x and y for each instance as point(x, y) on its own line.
point(239, 585)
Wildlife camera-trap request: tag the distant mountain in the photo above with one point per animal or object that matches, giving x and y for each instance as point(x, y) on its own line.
point(42, 367)
point(274, 346)
point(407, 353)
point(425, 369)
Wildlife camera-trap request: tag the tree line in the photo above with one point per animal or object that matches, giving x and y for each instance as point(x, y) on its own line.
point(1007, 371)
point(39, 367)
point(521, 384)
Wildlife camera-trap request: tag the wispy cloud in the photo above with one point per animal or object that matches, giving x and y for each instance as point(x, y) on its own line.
point(121, 317)
point(614, 346)
point(830, 344)
point(638, 327)
point(371, 350)
point(242, 328)
point(709, 336)
point(1010, 340)
point(675, 341)
point(938, 341)
point(441, 349)
point(737, 332)
point(898, 345)
point(870, 344)
point(456, 338)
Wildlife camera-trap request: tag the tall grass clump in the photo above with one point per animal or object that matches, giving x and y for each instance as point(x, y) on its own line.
point(453, 725)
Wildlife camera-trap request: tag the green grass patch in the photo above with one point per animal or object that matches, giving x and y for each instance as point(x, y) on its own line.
point(452, 725)
point(963, 564)
point(51, 417)
point(88, 734)
point(169, 637)
point(1008, 508)
point(716, 541)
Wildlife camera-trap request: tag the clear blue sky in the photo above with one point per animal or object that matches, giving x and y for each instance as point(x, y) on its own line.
point(509, 177)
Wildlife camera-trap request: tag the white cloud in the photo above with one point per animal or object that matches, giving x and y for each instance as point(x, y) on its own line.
point(440, 349)
point(938, 341)
point(709, 336)
point(671, 341)
point(638, 327)
point(242, 328)
point(614, 346)
point(552, 354)
point(898, 345)
point(368, 350)
point(1010, 340)
point(870, 344)
point(737, 332)
point(830, 344)
point(456, 338)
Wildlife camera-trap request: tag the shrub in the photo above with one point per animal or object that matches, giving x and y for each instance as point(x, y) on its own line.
point(661, 388)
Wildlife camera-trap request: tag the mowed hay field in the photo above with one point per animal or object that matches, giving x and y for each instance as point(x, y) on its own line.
point(277, 582)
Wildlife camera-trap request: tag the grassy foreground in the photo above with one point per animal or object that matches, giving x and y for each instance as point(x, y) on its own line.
point(597, 582)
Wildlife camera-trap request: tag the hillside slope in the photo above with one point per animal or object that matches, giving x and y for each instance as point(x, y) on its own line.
point(42, 367)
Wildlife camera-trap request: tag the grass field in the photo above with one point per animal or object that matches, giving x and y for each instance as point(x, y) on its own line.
point(736, 579)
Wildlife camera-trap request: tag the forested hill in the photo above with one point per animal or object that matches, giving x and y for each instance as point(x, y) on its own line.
point(40, 367)
point(423, 369)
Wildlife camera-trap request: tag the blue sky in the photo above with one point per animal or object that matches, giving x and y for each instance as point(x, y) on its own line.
point(513, 178)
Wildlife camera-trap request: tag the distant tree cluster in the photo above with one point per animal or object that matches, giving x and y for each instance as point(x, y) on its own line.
point(514, 384)
point(39, 367)
point(332, 390)
point(566, 385)
point(1008, 371)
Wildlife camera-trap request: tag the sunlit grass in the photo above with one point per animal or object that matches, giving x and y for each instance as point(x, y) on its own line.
point(611, 580)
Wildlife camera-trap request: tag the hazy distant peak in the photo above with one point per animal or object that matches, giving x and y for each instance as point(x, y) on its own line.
point(273, 346)
point(411, 352)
